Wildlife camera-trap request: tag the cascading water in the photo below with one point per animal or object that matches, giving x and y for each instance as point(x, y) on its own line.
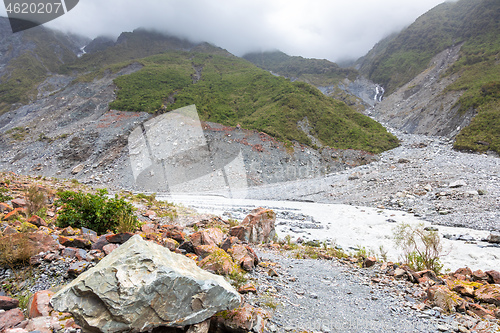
point(379, 93)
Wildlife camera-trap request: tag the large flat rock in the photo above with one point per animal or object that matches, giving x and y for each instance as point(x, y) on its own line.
point(142, 285)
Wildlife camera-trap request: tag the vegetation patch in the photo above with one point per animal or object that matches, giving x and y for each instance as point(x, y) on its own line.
point(231, 91)
point(94, 211)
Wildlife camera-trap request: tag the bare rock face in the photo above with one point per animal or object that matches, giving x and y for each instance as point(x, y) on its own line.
point(142, 285)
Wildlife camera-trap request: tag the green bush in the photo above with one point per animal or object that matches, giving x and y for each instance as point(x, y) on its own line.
point(421, 248)
point(93, 211)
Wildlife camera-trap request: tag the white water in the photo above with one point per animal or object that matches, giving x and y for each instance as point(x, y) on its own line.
point(355, 227)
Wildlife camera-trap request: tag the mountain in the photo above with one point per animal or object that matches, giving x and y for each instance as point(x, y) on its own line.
point(227, 89)
point(28, 58)
point(463, 93)
point(337, 82)
point(85, 106)
point(231, 91)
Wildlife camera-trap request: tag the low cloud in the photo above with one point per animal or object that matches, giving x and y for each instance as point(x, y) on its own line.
point(330, 29)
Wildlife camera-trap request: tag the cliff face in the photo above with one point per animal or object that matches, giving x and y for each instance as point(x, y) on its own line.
point(422, 106)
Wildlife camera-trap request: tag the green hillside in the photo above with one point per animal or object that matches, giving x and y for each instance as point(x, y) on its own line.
point(476, 25)
point(232, 91)
point(318, 72)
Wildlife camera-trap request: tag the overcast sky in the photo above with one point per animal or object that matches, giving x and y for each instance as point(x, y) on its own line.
point(330, 29)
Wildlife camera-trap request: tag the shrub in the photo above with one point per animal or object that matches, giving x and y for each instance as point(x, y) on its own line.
point(93, 211)
point(15, 249)
point(35, 199)
point(421, 248)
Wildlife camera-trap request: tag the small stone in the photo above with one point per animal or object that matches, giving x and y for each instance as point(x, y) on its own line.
point(272, 273)
point(457, 183)
point(109, 248)
point(18, 203)
point(77, 169)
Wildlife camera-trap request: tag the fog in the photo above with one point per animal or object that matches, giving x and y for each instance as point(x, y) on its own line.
point(330, 29)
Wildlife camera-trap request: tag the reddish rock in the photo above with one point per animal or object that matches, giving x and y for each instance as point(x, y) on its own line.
point(369, 262)
point(479, 275)
point(464, 271)
point(203, 251)
point(13, 214)
point(16, 330)
point(229, 242)
point(489, 293)
point(77, 242)
point(216, 235)
point(243, 319)
point(4, 208)
point(257, 227)
point(479, 310)
point(494, 277)
point(239, 232)
point(119, 238)
point(18, 203)
point(174, 232)
point(69, 231)
point(41, 324)
point(192, 256)
point(201, 238)
point(247, 288)
point(38, 221)
point(110, 248)
point(444, 298)
point(218, 262)
point(242, 257)
point(149, 228)
point(464, 288)
point(170, 243)
point(11, 318)
point(39, 305)
point(7, 303)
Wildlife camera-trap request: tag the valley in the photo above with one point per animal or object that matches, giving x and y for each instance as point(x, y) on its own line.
point(338, 157)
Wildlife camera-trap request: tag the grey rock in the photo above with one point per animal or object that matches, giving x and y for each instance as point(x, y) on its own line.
point(494, 237)
point(142, 285)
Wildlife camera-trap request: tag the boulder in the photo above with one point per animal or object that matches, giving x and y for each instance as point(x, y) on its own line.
point(7, 303)
point(246, 258)
point(18, 203)
point(11, 318)
point(142, 285)
point(257, 227)
point(118, 238)
point(444, 298)
point(39, 304)
point(489, 293)
point(201, 238)
point(37, 220)
point(218, 262)
point(494, 276)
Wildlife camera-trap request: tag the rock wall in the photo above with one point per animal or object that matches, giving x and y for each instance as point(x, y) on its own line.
point(422, 106)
